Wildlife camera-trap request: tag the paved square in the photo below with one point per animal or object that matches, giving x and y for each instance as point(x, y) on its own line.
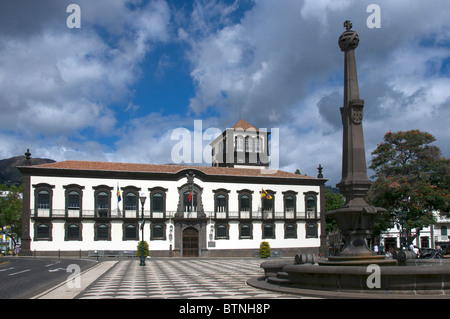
point(181, 278)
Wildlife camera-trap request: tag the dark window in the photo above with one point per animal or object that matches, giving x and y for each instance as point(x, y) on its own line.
point(102, 231)
point(221, 231)
point(246, 231)
point(157, 231)
point(131, 232)
point(310, 207)
point(73, 200)
point(290, 231)
point(43, 200)
point(289, 204)
point(130, 201)
point(102, 204)
point(221, 204)
point(311, 231)
point(245, 203)
point(158, 203)
point(268, 231)
point(188, 204)
point(73, 232)
point(43, 231)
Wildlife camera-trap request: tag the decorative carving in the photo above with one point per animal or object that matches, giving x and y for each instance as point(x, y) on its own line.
point(356, 111)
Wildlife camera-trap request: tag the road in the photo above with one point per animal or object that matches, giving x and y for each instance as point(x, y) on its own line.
point(24, 277)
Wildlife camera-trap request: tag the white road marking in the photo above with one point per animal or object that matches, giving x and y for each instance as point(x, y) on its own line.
point(20, 272)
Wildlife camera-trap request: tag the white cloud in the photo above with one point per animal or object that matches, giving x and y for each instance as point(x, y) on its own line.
point(278, 65)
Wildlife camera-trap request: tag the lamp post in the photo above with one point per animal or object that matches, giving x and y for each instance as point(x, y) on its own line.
point(142, 199)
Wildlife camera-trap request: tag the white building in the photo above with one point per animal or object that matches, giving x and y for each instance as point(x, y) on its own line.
point(72, 207)
point(429, 237)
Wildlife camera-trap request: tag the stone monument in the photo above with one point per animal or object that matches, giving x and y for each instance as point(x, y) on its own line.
point(356, 217)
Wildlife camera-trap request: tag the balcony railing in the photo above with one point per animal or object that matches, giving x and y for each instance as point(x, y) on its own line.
point(119, 214)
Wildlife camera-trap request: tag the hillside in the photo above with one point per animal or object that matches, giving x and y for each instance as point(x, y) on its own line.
point(9, 174)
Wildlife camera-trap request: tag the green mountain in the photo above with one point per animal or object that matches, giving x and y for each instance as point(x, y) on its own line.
point(9, 174)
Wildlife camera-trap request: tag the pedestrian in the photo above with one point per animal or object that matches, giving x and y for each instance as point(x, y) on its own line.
point(375, 248)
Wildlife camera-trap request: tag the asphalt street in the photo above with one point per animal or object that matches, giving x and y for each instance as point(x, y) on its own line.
point(24, 277)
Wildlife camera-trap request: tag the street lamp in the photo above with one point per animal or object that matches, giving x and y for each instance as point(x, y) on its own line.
point(142, 198)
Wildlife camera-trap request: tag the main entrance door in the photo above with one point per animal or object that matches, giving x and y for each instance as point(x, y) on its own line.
point(190, 242)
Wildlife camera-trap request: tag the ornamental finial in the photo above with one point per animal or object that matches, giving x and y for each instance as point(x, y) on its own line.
point(348, 25)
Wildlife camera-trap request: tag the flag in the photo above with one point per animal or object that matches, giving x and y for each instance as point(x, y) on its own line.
point(190, 193)
point(119, 198)
point(265, 194)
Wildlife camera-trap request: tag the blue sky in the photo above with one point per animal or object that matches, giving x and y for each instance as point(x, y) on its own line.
point(116, 88)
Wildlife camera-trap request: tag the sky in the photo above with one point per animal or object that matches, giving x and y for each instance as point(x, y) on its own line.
point(118, 85)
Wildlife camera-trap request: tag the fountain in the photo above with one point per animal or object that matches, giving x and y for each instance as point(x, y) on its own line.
point(356, 271)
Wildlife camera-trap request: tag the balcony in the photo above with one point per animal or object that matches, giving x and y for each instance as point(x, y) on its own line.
point(119, 214)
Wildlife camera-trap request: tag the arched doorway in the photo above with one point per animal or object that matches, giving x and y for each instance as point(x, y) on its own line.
point(190, 242)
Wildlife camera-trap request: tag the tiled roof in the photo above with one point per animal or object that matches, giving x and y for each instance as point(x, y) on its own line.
point(157, 168)
point(241, 124)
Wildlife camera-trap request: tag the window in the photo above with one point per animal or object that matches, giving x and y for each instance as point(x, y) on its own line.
point(268, 205)
point(258, 145)
point(158, 202)
point(244, 203)
point(290, 230)
point(43, 200)
point(130, 201)
point(239, 144)
point(311, 231)
point(190, 205)
point(73, 200)
point(289, 204)
point(73, 232)
point(268, 231)
point(222, 231)
point(102, 232)
point(42, 232)
point(444, 231)
point(43, 194)
point(311, 205)
point(130, 232)
point(102, 197)
point(248, 144)
point(245, 231)
point(221, 204)
point(157, 232)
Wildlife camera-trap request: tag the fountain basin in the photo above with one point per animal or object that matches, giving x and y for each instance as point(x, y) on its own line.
point(420, 278)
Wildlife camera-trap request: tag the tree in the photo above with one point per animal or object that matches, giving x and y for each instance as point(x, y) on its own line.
point(11, 208)
point(333, 200)
point(412, 181)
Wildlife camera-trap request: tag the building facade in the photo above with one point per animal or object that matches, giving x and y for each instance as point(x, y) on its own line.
point(73, 207)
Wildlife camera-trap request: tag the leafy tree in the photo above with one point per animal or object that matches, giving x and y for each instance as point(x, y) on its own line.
point(333, 200)
point(412, 181)
point(11, 208)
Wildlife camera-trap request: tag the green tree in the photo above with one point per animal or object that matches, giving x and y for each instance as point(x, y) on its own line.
point(333, 200)
point(412, 181)
point(11, 208)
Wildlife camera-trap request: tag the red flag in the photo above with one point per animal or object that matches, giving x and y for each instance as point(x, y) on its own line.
point(190, 193)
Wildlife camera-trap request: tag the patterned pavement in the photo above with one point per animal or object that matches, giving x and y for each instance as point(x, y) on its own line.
point(181, 278)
